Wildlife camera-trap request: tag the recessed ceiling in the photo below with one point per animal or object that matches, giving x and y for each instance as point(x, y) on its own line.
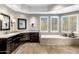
point(33, 5)
point(37, 8)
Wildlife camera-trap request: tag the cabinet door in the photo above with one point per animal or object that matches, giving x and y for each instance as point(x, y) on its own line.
point(34, 37)
point(3, 45)
point(0, 24)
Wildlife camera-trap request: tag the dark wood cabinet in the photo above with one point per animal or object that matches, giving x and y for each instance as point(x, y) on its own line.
point(3, 46)
point(0, 25)
point(34, 36)
point(14, 43)
point(30, 37)
point(25, 37)
point(8, 45)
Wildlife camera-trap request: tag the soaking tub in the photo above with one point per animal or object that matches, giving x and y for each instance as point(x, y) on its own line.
point(58, 40)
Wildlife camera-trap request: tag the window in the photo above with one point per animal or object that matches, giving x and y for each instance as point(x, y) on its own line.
point(44, 23)
point(65, 24)
point(73, 23)
point(69, 23)
point(54, 23)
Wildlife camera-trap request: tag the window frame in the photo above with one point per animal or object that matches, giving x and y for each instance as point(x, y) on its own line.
point(62, 25)
point(47, 23)
point(51, 23)
point(69, 23)
point(76, 22)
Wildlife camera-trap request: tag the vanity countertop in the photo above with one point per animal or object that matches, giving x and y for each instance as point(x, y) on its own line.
point(8, 35)
point(15, 33)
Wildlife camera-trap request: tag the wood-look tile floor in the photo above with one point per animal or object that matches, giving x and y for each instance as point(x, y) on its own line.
point(36, 48)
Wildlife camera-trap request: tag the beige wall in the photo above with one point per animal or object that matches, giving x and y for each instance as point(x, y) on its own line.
point(13, 15)
point(31, 18)
point(36, 19)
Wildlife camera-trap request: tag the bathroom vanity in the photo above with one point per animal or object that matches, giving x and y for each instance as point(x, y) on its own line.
point(9, 42)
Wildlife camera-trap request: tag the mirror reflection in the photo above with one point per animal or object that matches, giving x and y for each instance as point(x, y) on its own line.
point(4, 22)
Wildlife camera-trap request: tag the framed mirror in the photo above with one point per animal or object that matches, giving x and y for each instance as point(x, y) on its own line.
point(4, 22)
point(21, 23)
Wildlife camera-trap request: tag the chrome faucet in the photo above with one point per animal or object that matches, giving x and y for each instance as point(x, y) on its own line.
point(6, 32)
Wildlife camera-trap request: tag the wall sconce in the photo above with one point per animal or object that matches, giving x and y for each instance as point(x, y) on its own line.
point(32, 24)
point(11, 23)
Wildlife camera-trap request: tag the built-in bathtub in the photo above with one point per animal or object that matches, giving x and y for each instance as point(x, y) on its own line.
point(58, 40)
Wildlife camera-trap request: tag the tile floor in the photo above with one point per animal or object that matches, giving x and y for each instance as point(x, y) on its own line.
point(36, 48)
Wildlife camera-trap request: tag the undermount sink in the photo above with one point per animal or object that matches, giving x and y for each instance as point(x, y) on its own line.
point(6, 33)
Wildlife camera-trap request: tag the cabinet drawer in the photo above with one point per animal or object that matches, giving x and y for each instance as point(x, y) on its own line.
point(34, 37)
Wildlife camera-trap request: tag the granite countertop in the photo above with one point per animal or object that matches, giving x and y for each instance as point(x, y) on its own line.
point(8, 35)
point(14, 33)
